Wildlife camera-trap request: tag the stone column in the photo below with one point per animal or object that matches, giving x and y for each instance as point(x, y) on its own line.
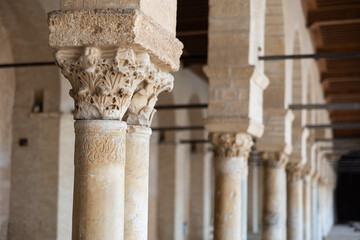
point(231, 153)
point(314, 209)
point(139, 117)
point(254, 191)
point(294, 204)
point(244, 200)
point(116, 72)
point(274, 207)
point(98, 208)
point(307, 207)
point(137, 182)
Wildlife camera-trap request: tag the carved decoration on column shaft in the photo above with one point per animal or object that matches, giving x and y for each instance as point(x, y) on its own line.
point(141, 109)
point(294, 172)
point(227, 145)
point(103, 80)
point(275, 159)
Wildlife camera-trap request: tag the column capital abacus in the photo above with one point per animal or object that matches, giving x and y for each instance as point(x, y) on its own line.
point(228, 145)
point(275, 159)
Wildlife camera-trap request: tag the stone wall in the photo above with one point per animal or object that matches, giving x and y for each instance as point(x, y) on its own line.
point(7, 92)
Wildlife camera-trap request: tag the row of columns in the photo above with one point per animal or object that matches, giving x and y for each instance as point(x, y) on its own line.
point(117, 70)
point(116, 74)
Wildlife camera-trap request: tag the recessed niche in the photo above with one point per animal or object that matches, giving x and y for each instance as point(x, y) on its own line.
point(38, 101)
point(23, 142)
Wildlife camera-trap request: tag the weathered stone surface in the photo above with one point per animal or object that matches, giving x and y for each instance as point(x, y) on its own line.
point(126, 28)
point(137, 183)
point(141, 110)
point(104, 80)
point(231, 153)
point(98, 210)
point(162, 11)
point(274, 208)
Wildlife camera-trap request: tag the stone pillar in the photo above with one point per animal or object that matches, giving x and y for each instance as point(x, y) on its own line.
point(231, 153)
point(244, 201)
point(137, 182)
point(274, 206)
point(139, 117)
point(294, 204)
point(254, 191)
point(98, 210)
point(116, 72)
point(314, 210)
point(307, 207)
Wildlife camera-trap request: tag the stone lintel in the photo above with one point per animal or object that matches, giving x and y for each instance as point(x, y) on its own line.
point(234, 125)
point(126, 28)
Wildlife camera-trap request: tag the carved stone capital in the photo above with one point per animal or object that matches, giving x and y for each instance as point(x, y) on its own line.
point(103, 80)
point(141, 109)
point(275, 159)
point(294, 172)
point(228, 145)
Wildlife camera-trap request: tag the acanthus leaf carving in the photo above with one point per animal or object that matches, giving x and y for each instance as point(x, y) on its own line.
point(275, 159)
point(103, 80)
point(227, 145)
point(141, 110)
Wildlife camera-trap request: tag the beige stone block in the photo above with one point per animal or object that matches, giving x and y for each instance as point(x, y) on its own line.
point(229, 40)
point(226, 57)
point(229, 24)
point(273, 9)
point(274, 20)
point(244, 95)
point(219, 82)
point(274, 30)
point(214, 94)
point(216, 106)
point(162, 11)
point(274, 97)
point(229, 8)
point(244, 72)
point(217, 72)
point(129, 28)
point(229, 94)
point(274, 45)
point(275, 67)
point(240, 106)
point(241, 83)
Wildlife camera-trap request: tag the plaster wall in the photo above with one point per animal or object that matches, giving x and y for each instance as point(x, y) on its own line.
point(171, 167)
point(7, 92)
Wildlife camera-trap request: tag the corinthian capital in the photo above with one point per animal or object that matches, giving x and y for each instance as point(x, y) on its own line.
point(228, 145)
point(103, 80)
point(141, 109)
point(294, 172)
point(275, 159)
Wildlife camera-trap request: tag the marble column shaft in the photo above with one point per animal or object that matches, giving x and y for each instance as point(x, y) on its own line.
point(295, 205)
point(274, 207)
point(99, 179)
point(244, 200)
point(307, 207)
point(231, 153)
point(137, 182)
point(253, 197)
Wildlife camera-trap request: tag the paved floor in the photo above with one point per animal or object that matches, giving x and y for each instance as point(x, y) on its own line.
point(343, 232)
point(338, 232)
